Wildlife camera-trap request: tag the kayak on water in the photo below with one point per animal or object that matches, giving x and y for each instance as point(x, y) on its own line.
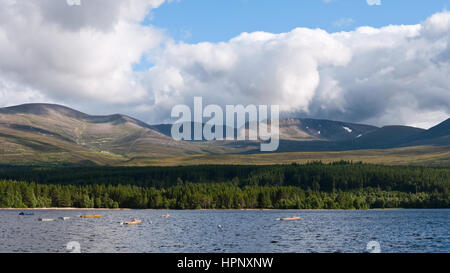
point(46, 219)
point(26, 213)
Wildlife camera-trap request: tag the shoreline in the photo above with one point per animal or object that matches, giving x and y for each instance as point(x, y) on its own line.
point(61, 209)
point(119, 209)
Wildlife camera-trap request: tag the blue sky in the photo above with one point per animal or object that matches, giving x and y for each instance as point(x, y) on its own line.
point(219, 20)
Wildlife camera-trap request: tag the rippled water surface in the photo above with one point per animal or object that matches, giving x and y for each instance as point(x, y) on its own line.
point(227, 231)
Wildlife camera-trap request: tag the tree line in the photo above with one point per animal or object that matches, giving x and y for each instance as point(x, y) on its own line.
point(15, 194)
point(316, 176)
point(339, 185)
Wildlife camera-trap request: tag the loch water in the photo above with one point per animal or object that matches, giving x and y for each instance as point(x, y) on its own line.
point(227, 231)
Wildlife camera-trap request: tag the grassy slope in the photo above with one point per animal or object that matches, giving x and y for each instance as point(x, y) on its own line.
point(31, 148)
point(423, 155)
point(49, 135)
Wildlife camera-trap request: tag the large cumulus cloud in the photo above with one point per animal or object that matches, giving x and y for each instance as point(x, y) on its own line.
point(76, 55)
point(83, 56)
point(389, 75)
point(253, 68)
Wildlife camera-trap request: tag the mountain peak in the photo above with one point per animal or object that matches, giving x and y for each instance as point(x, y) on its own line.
point(442, 129)
point(43, 109)
point(48, 110)
point(445, 123)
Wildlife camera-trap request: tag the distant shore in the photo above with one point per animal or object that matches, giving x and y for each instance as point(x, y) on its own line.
point(107, 209)
point(62, 209)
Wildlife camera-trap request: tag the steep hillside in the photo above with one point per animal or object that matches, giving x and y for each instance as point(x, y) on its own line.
point(437, 135)
point(318, 129)
point(386, 137)
point(47, 133)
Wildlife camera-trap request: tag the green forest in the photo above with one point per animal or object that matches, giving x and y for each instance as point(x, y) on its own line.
point(339, 185)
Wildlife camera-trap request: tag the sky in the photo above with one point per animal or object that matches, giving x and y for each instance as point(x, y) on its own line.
point(196, 21)
point(378, 62)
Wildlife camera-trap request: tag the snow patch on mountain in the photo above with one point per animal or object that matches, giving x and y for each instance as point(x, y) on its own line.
point(347, 129)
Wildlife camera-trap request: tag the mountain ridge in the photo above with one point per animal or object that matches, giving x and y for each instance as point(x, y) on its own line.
point(56, 133)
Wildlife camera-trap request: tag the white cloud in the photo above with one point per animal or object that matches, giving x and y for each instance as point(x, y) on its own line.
point(253, 68)
point(389, 75)
point(374, 2)
point(84, 59)
point(76, 53)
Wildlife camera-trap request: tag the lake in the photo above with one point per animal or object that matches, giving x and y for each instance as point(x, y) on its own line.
point(229, 231)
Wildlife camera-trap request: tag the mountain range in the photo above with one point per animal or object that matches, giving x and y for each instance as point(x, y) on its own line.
point(48, 133)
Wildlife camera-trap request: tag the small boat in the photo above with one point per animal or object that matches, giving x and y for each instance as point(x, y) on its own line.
point(64, 218)
point(26, 213)
point(133, 222)
point(290, 219)
point(91, 216)
point(166, 215)
point(46, 219)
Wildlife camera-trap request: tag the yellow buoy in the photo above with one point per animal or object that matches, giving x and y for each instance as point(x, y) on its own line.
point(133, 222)
point(91, 216)
point(290, 219)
